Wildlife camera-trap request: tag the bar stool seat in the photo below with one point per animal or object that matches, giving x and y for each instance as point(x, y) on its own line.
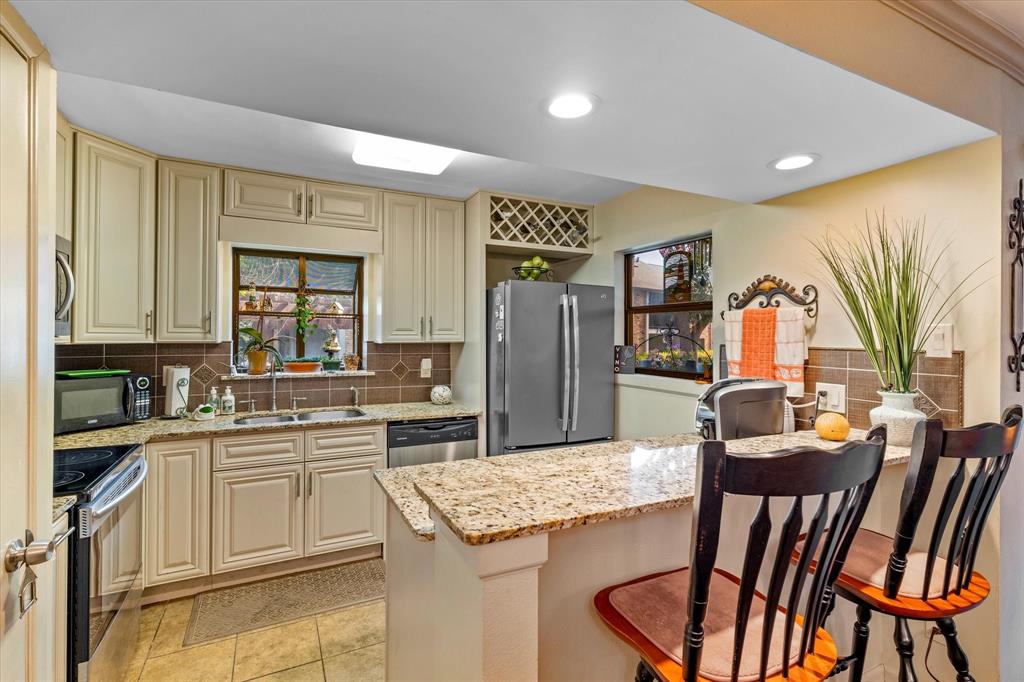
point(645, 612)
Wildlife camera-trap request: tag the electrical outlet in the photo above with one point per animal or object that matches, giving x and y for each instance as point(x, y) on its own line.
point(834, 399)
point(425, 366)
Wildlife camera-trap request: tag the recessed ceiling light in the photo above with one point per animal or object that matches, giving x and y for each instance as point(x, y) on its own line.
point(402, 155)
point(572, 105)
point(793, 162)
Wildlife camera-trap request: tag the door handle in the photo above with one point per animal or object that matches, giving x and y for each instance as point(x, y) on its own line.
point(575, 304)
point(564, 420)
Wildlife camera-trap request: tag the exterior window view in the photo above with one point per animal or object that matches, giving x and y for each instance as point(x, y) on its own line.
point(440, 341)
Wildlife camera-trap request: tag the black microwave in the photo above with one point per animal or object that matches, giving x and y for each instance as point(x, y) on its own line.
point(95, 398)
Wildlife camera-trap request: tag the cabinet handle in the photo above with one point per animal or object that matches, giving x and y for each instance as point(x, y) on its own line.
point(298, 486)
point(421, 326)
point(209, 321)
point(298, 205)
point(309, 484)
point(310, 211)
point(149, 322)
point(431, 327)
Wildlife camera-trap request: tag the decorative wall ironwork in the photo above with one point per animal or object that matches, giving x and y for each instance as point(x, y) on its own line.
point(1015, 240)
point(769, 290)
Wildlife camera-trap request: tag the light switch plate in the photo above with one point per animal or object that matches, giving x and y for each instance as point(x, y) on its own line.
point(835, 398)
point(426, 364)
point(940, 343)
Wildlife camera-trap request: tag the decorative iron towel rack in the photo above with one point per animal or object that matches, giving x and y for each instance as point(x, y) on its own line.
point(768, 290)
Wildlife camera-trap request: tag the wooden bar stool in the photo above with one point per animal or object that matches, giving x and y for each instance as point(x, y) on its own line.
point(884, 574)
point(730, 628)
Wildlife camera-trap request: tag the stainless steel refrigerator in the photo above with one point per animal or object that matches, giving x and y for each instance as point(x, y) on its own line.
point(550, 357)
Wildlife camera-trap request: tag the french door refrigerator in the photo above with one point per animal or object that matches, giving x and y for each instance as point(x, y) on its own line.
point(550, 357)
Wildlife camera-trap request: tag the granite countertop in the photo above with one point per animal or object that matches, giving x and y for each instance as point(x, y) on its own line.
point(159, 429)
point(61, 504)
point(500, 498)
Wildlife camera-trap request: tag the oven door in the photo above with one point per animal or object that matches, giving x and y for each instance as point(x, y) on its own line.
point(80, 404)
point(110, 588)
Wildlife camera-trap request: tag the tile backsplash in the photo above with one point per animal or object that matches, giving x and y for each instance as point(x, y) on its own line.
point(396, 367)
point(940, 380)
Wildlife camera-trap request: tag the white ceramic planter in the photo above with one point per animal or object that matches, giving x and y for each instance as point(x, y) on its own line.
point(898, 413)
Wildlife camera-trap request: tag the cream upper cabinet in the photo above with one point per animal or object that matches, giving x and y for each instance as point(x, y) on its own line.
point(115, 232)
point(258, 516)
point(343, 206)
point(187, 216)
point(177, 511)
point(344, 506)
point(403, 316)
point(259, 195)
point(445, 270)
point(65, 179)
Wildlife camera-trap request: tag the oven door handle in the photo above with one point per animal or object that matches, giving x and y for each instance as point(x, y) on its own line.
point(92, 514)
point(69, 294)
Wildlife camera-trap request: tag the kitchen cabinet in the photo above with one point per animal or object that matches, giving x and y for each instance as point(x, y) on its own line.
point(422, 270)
point(343, 206)
point(349, 441)
point(239, 452)
point(344, 507)
point(258, 516)
point(260, 195)
point(61, 605)
point(177, 510)
point(187, 220)
point(115, 232)
point(65, 148)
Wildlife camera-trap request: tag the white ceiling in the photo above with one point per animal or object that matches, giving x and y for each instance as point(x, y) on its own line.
point(688, 100)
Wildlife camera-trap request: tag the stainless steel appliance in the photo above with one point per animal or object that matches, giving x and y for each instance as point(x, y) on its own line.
point(65, 289)
point(433, 440)
point(742, 408)
point(550, 362)
point(95, 398)
point(105, 558)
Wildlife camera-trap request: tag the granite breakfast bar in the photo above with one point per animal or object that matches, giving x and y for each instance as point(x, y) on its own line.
point(493, 563)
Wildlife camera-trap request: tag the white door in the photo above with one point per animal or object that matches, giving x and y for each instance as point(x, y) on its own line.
point(258, 195)
point(402, 295)
point(186, 266)
point(344, 506)
point(27, 154)
point(344, 206)
point(115, 232)
point(257, 516)
point(445, 270)
point(177, 511)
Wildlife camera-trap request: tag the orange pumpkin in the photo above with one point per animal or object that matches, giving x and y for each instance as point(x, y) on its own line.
point(832, 426)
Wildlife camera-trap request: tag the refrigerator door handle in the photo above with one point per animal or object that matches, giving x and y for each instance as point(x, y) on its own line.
point(563, 423)
point(575, 304)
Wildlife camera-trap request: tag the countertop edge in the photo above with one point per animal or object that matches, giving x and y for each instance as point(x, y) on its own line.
point(420, 535)
point(61, 505)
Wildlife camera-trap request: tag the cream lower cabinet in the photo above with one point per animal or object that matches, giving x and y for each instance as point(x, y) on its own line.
point(61, 566)
point(177, 511)
point(344, 506)
point(257, 516)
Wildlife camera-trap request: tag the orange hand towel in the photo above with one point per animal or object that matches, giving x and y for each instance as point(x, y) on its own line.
point(757, 358)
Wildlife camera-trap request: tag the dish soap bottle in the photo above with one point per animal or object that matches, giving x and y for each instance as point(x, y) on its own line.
point(214, 400)
point(227, 402)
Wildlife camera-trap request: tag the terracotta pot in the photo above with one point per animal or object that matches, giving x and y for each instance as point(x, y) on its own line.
point(257, 361)
point(302, 367)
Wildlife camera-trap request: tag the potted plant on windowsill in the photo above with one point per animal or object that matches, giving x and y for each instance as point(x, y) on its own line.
point(886, 282)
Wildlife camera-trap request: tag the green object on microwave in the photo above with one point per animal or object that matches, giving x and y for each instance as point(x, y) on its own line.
point(90, 373)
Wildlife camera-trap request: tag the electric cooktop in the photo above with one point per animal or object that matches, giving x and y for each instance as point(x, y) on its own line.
point(77, 470)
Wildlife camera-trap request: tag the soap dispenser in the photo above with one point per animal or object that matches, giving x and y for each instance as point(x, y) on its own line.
point(214, 400)
point(227, 402)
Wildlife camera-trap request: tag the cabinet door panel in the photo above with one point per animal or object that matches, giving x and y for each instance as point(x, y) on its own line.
point(344, 206)
point(402, 292)
point(257, 195)
point(445, 270)
point(114, 236)
point(187, 212)
point(346, 442)
point(239, 452)
point(177, 511)
point(344, 506)
point(65, 180)
point(257, 516)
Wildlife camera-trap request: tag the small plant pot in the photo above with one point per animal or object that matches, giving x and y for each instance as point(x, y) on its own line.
point(899, 415)
point(302, 367)
point(257, 361)
point(331, 365)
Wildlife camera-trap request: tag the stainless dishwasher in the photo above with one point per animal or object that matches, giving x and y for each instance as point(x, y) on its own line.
point(431, 440)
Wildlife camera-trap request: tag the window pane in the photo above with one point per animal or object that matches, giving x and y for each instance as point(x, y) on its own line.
point(343, 329)
point(330, 275)
point(271, 271)
point(281, 327)
point(680, 273)
point(657, 337)
point(334, 304)
point(280, 301)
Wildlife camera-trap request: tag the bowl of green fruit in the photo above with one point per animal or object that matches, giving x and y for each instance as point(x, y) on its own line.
point(533, 269)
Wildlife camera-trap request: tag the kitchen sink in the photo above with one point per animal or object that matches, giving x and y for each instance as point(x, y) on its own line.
point(327, 415)
point(270, 419)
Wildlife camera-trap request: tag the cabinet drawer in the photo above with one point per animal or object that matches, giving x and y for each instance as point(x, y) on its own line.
point(236, 452)
point(345, 442)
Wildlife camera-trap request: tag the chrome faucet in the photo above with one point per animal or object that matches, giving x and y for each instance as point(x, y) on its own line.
point(355, 396)
point(273, 384)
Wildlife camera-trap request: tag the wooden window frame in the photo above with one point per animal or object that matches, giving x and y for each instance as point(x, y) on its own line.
point(300, 342)
point(630, 309)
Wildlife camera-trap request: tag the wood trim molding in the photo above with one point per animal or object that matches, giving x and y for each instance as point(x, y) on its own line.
point(958, 23)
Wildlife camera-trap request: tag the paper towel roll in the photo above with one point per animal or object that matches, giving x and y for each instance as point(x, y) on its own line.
point(176, 397)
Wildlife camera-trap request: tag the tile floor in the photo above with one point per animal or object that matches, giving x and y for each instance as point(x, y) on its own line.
point(343, 645)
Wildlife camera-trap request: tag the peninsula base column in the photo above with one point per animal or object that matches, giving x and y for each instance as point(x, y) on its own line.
point(486, 605)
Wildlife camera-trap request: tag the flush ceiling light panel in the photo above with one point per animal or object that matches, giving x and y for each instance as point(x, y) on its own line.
point(572, 105)
point(395, 153)
point(793, 162)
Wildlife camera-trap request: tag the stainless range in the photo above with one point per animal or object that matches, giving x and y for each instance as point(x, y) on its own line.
point(106, 556)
